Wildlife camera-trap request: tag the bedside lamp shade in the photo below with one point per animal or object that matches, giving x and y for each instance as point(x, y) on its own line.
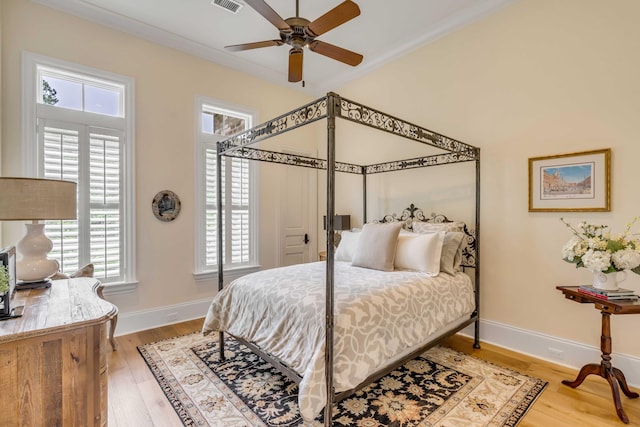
point(340, 222)
point(34, 199)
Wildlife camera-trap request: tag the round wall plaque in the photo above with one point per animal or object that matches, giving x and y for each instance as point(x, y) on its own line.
point(166, 205)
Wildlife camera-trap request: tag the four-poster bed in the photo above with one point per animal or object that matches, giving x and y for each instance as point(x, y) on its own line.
point(355, 285)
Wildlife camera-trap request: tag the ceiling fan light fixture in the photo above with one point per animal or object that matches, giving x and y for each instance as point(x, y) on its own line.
point(295, 64)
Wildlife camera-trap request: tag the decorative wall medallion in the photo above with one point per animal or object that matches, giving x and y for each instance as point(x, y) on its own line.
point(166, 205)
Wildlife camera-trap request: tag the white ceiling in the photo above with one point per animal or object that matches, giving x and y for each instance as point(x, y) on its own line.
point(384, 30)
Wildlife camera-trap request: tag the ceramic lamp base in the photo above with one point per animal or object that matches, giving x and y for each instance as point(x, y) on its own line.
point(34, 266)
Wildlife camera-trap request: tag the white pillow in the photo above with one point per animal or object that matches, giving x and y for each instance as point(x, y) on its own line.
point(376, 247)
point(347, 246)
point(420, 252)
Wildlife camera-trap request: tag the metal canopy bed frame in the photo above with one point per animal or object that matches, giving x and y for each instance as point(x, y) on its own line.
point(330, 107)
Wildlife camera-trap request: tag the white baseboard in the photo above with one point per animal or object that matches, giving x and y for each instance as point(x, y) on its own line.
point(556, 350)
point(137, 321)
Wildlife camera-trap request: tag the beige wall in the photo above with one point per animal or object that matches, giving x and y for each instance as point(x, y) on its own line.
point(167, 83)
point(540, 77)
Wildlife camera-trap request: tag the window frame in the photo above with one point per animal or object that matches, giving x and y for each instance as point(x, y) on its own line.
point(32, 157)
point(204, 141)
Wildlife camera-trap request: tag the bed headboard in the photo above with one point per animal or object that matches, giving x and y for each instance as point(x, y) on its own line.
point(412, 213)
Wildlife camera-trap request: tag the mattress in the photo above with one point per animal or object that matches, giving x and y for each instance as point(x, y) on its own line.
point(378, 316)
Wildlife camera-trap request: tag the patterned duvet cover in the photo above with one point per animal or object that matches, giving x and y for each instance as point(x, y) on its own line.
point(378, 316)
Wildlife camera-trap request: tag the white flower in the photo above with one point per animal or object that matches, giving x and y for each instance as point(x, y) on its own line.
point(598, 243)
point(626, 259)
point(592, 246)
point(569, 250)
point(581, 248)
point(596, 260)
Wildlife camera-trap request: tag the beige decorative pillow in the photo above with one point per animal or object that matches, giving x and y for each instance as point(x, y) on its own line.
point(58, 276)
point(430, 227)
point(86, 271)
point(452, 247)
point(420, 252)
point(347, 246)
point(376, 247)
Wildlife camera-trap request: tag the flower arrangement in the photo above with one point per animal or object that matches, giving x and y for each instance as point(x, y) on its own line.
point(593, 247)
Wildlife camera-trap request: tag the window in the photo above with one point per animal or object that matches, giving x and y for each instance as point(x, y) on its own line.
point(79, 127)
point(217, 122)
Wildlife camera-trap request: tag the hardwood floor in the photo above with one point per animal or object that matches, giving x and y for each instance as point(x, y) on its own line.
point(136, 400)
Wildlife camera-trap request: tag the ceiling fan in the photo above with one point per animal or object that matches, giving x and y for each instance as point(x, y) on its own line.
point(300, 32)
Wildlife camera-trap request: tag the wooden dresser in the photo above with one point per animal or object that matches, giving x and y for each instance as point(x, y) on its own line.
point(53, 359)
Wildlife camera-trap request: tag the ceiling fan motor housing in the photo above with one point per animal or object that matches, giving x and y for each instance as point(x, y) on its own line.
point(299, 33)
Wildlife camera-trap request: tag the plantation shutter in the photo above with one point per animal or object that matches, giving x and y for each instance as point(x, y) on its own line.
point(236, 213)
point(104, 204)
point(61, 161)
point(211, 215)
point(91, 157)
point(239, 211)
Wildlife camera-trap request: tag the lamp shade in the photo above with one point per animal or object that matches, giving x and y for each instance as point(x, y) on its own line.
point(33, 199)
point(340, 222)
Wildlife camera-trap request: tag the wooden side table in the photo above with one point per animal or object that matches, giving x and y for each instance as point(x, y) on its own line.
point(53, 359)
point(605, 369)
point(322, 255)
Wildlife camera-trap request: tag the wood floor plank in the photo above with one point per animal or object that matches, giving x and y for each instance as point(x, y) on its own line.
point(590, 404)
point(136, 400)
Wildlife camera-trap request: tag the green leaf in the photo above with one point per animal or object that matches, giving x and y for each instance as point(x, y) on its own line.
point(614, 246)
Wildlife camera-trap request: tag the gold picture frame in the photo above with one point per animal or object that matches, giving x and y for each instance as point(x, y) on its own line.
point(575, 182)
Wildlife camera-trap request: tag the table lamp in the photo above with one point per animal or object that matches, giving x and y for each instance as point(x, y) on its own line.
point(34, 199)
point(340, 223)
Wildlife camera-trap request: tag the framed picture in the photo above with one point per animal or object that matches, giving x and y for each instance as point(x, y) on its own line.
point(570, 182)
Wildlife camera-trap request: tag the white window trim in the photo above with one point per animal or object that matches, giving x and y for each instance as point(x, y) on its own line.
point(201, 273)
point(30, 61)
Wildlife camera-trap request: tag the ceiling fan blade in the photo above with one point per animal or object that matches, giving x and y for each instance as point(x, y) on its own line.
point(295, 65)
point(337, 16)
point(269, 14)
point(254, 45)
point(335, 52)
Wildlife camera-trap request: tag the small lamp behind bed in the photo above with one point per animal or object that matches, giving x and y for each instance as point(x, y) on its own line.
point(340, 223)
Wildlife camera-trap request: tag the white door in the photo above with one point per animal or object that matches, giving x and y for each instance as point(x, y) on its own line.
point(297, 213)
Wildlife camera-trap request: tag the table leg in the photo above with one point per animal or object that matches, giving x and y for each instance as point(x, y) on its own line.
point(112, 323)
point(614, 376)
point(589, 369)
point(112, 329)
point(623, 384)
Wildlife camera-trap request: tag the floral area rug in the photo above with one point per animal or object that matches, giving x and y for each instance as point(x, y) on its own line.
point(440, 388)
